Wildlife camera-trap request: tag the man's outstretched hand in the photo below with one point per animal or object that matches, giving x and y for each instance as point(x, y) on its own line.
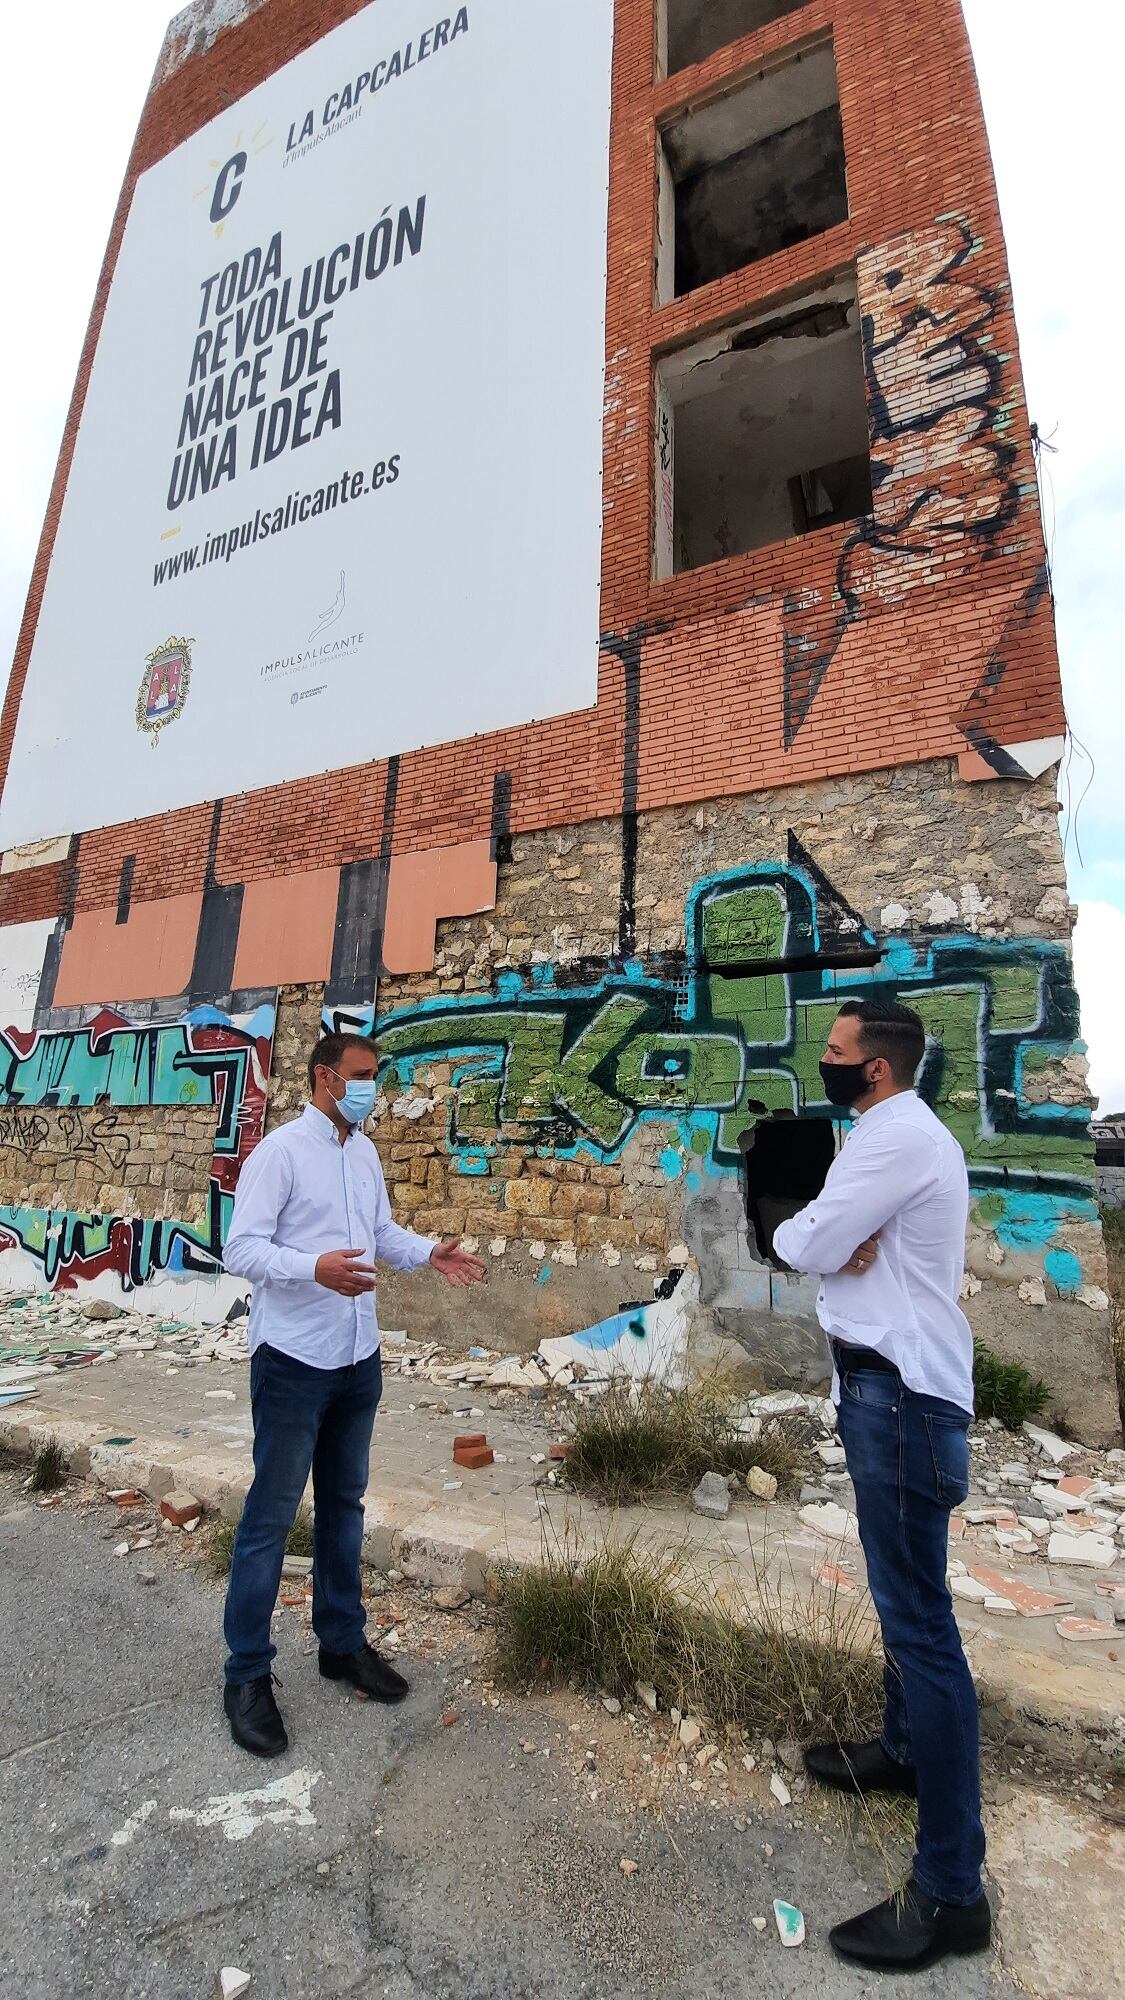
point(346, 1272)
point(456, 1265)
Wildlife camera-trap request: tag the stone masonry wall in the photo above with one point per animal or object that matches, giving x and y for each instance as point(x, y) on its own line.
point(584, 1118)
point(111, 1160)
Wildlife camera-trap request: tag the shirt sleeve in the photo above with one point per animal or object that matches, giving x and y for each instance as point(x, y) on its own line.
point(867, 1183)
point(403, 1249)
point(264, 1186)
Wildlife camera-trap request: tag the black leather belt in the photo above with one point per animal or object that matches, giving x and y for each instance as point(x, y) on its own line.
point(851, 1359)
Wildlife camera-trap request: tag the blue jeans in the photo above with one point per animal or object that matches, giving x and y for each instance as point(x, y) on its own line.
point(305, 1419)
point(908, 1456)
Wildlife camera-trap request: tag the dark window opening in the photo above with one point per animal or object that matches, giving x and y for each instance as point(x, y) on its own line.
point(691, 30)
point(750, 173)
point(785, 1161)
point(761, 433)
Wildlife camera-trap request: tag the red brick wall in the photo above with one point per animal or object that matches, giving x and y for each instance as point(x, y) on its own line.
point(920, 637)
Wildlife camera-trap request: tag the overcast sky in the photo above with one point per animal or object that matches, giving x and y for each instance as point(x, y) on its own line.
point(75, 77)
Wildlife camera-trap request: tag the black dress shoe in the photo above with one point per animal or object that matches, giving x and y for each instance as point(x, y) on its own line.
point(860, 1767)
point(910, 1931)
point(370, 1675)
point(254, 1716)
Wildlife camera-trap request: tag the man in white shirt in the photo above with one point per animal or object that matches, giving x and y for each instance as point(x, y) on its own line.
point(887, 1238)
point(311, 1216)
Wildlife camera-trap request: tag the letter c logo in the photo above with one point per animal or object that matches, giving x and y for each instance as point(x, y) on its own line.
point(228, 187)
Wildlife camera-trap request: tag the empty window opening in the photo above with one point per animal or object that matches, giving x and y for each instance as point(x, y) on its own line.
point(691, 30)
point(785, 1163)
point(761, 433)
point(751, 173)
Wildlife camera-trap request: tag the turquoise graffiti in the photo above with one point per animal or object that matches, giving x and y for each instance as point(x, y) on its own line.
point(206, 1057)
point(733, 1029)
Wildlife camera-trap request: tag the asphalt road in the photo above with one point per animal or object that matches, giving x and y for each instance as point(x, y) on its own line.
point(390, 1856)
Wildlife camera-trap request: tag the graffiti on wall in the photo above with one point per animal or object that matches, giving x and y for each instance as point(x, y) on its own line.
point(205, 1058)
point(734, 1029)
point(943, 471)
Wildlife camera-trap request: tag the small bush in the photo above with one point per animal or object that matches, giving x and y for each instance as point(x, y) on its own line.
point(1006, 1390)
point(49, 1470)
point(220, 1549)
point(620, 1616)
point(631, 1444)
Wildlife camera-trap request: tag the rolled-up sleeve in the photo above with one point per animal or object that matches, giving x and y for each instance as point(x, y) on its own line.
point(403, 1249)
point(264, 1186)
point(866, 1185)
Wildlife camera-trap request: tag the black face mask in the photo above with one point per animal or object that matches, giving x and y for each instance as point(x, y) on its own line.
point(844, 1083)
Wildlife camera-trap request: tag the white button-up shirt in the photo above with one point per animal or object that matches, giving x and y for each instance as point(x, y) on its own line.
point(300, 1194)
point(901, 1173)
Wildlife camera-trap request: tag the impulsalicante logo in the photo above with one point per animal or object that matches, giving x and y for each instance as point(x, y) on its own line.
point(164, 687)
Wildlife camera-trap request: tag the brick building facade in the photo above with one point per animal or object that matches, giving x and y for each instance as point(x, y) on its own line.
point(821, 759)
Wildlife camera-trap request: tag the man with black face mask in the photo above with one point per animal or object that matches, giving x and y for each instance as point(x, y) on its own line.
point(311, 1216)
point(887, 1237)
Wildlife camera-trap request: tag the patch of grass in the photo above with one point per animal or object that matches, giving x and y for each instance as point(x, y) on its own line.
point(622, 1615)
point(1006, 1390)
point(220, 1548)
point(631, 1444)
point(299, 1541)
point(48, 1472)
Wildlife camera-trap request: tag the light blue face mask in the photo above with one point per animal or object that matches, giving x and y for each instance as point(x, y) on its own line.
point(358, 1101)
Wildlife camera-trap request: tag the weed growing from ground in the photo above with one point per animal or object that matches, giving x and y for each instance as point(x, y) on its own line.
point(624, 1614)
point(1006, 1390)
point(48, 1472)
point(634, 1442)
point(220, 1548)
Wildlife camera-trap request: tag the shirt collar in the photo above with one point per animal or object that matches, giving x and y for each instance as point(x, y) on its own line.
point(866, 1118)
point(321, 1126)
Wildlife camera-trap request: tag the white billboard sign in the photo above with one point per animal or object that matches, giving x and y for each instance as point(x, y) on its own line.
point(336, 490)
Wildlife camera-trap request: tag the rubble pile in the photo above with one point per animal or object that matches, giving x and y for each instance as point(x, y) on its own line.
point(44, 1334)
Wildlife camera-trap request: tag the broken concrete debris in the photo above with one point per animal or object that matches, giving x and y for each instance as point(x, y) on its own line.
point(828, 1519)
point(230, 1982)
point(712, 1497)
point(761, 1484)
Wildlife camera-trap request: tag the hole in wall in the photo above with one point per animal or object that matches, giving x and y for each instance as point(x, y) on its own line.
point(750, 173)
point(688, 31)
point(785, 1160)
point(762, 432)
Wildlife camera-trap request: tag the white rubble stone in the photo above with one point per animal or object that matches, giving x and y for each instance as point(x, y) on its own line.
point(829, 1519)
point(1096, 1551)
point(779, 1403)
point(1057, 1449)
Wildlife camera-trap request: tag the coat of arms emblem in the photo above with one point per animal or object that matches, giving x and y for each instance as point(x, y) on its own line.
point(164, 687)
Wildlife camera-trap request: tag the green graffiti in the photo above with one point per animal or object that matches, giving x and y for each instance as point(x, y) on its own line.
point(740, 1033)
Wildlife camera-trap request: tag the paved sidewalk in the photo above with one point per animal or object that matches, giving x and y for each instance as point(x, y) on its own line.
point(152, 1419)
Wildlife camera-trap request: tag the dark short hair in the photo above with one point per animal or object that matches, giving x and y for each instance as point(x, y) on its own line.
point(892, 1031)
point(330, 1048)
